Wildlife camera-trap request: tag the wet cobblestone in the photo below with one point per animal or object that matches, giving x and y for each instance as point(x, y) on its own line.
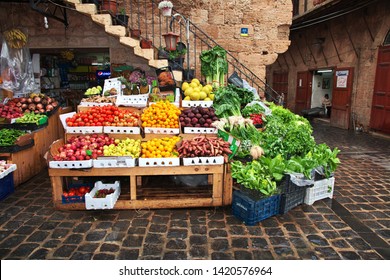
point(353, 225)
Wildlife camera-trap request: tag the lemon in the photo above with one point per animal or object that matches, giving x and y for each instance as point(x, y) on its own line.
point(195, 80)
point(193, 84)
point(184, 86)
point(211, 96)
point(189, 91)
point(195, 96)
point(207, 99)
point(202, 95)
point(187, 98)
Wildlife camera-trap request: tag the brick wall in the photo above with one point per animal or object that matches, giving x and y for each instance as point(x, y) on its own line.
point(360, 52)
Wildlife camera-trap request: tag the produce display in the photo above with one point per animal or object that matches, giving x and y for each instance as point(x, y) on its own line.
point(98, 99)
point(160, 148)
point(37, 102)
point(108, 115)
point(124, 147)
point(83, 147)
point(93, 90)
point(4, 166)
point(161, 114)
point(8, 137)
point(165, 78)
point(203, 146)
point(257, 119)
point(102, 193)
point(10, 112)
point(214, 66)
point(30, 118)
point(79, 191)
point(197, 117)
point(194, 91)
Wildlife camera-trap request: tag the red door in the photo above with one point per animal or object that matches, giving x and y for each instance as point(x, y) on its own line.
point(341, 97)
point(280, 84)
point(380, 112)
point(303, 96)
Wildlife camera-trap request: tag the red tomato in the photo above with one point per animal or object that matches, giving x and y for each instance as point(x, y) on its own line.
point(65, 194)
point(71, 193)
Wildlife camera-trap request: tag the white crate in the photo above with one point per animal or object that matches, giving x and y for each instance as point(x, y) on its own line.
point(160, 130)
point(71, 164)
point(114, 162)
point(203, 160)
point(102, 203)
point(321, 189)
point(94, 104)
point(157, 162)
point(63, 118)
point(84, 129)
point(191, 103)
point(11, 168)
point(139, 100)
point(200, 130)
point(112, 83)
point(122, 129)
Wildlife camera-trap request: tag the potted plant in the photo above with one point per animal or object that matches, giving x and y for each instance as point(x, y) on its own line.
point(122, 17)
point(110, 5)
point(135, 33)
point(165, 8)
point(146, 43)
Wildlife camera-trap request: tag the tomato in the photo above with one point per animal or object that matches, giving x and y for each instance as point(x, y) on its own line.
point(71, 193)
point(65, 194)
point(82, 190)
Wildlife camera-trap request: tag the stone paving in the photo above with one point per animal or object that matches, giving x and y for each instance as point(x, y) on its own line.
point(355, 224)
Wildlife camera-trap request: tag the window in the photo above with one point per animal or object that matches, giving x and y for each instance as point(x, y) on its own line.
point(387, 39)
point(295, 7)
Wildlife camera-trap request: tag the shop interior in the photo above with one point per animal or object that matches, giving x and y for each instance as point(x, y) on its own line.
point(67, 73)
point(322, 84)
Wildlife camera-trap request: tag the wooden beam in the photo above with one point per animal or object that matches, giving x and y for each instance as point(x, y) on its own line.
point(285, 61)
point(334, 44)
point(300, 53)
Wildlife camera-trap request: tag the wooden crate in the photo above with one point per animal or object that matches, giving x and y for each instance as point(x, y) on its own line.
point(31, 162)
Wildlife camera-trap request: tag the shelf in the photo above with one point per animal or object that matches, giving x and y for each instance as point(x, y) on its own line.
point(138, 195)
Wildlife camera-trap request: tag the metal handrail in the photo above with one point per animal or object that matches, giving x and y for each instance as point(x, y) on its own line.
point(145, 16)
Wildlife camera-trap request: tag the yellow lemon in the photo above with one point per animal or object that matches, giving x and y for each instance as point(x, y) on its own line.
point(207, 99)
point(188, 91)
point(195, 96)
point(211, 96)
point(197, 89)
point(187, 98)
point(193, 84)
point(195, 80)
point(184, 86)
point(202, 95)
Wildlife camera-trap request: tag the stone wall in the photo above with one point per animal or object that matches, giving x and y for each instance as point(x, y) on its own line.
point(82, 32)
point(268, 23)
point(360, 51)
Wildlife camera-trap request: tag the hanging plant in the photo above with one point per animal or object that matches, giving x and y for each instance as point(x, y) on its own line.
point(166, 8)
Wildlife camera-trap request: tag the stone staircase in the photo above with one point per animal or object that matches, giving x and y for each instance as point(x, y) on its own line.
point(121, 33)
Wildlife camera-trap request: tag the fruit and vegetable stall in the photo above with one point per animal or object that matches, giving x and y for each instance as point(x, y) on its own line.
point(28, 126)
point(234, 148)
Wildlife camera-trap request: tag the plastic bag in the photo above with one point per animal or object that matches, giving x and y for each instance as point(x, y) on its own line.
point(300, 180)
point(16, 69)
point(267, 111)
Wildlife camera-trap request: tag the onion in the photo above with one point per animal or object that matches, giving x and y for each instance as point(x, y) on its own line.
point(49, 108)
point(24, 106)
point(37, 99)
point(23, 100)
point(42, 110)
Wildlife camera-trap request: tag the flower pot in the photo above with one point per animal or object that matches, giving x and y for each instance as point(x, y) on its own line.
point(111, 6)
point(123, 19)
point(146, 44)
point(166, 12)
point(135, 33)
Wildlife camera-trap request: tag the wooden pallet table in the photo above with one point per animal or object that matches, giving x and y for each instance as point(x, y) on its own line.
point(140, 196)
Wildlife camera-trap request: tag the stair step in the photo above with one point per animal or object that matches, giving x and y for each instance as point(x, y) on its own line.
point(102, 19)
point(116, 30)
point(89, 9)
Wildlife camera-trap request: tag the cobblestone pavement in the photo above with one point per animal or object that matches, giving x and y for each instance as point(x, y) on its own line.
point(355, 224)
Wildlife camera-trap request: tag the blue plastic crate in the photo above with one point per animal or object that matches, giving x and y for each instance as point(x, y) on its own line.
point(253, 211)
point(7, 186)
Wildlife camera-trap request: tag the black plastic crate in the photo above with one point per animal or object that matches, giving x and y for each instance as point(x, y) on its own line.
point(16, 148)
point(253, 211)
point(292, 199)
point(287, 186)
